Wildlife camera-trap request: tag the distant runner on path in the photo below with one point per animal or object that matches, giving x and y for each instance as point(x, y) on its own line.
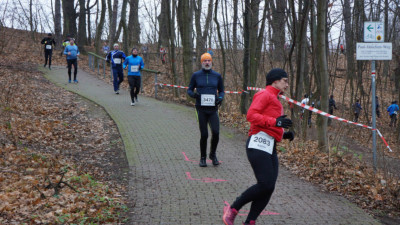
point(266, 129)
point(48, 43)
point(116, 57)
point(135, 64)
point(209, 95)
point(72, 53)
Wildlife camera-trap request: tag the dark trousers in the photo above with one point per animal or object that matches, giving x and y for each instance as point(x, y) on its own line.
point(134, 85)
point(118, 77)
point(356, 115)
point(70, 63)
point(265, 167)
point(208, 117)
point(393, 119)
point(47, 55)
point(329, 119)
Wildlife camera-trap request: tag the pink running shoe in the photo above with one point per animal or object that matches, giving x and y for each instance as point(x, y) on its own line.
point(252, 222)
point(229, 215)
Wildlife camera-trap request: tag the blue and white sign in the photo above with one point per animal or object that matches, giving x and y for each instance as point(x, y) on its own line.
point(374, 32)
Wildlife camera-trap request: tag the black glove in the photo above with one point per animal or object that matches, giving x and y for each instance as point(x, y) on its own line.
point(218, 101)
point(196, 95)
point(288, 135)
point(283, 122)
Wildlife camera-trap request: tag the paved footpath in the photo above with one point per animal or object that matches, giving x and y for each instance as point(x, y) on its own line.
point(168, 186)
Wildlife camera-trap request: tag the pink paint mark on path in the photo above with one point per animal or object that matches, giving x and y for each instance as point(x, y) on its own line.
point(189, 160)
point(205, 179)
point(246, 212)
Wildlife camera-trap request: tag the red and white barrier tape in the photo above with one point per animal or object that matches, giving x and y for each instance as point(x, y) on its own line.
point(325, 114)
point(177, 86)
point(299, 104)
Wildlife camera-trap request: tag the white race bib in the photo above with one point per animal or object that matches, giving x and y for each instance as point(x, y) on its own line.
point(207, 100)
point(48, 47)
point(395, 112)
point(134, 68)
point(262, 141)
point(117, 60)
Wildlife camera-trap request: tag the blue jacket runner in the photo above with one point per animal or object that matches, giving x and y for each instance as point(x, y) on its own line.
point(392, 109)
point(135, 64)
point(74, 51)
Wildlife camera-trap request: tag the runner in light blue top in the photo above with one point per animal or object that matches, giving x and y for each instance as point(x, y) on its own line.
point(134, 63)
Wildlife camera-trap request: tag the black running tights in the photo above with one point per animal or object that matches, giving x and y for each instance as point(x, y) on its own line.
point(265, 167)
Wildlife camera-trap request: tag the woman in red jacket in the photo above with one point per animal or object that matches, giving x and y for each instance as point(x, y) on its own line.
point(267, 124)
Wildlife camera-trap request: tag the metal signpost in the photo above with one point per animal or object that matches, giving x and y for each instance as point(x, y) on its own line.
point(374, 32)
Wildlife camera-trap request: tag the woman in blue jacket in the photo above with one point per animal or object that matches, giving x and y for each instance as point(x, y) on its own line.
point(72, 53)
point(135, 64)
point(209, 95)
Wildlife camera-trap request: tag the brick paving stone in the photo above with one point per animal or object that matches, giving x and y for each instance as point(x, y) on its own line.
point(156, 133)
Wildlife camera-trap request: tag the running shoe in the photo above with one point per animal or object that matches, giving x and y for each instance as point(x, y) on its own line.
point(132, 103)
point(76, 81)
point(203, 162)
point(117, 92)
point(136, 99)
point(214, 159)
point(69, 81)
point(229, 215)
point(252, 222)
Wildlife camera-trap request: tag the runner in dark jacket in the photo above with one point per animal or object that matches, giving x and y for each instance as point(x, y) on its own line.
point(266, 129)
point(209, 95)
point(115, 58)
point(48, 43)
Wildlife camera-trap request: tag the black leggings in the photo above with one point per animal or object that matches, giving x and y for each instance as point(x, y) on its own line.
point(265, 167)
point(47, 55)
point(70, 63)
point(134, 85)
point(206, 117)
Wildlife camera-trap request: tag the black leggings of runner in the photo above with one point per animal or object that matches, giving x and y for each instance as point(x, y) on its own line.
point(206, 117)
point(70, 63)
point(47, 55)
point(134, 85)
point(265, 167)
point(393, 119)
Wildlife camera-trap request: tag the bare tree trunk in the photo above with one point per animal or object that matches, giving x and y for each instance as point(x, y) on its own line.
point(349, 38)
point(134, 25)
point(201, 38)
point(221, 43)
point(113, 25)
point(99, 30)
point(234, 28)
point(171, 25)
point(82, 39)
point(185, 18)
point(69, 15)
point(321, 54)
point(278, 27)
point(301, 63)
point(57, 23)
point(245, 98)
point(124, 27)
point(163, 37)
point(31, 20)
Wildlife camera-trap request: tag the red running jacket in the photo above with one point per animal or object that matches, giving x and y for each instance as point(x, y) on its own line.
point(263, 112)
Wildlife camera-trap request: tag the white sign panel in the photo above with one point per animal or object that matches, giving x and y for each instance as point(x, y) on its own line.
point(374, 32)
point(374, 51)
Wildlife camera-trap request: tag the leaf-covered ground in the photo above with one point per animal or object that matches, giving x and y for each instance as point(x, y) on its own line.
point(62, 160)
